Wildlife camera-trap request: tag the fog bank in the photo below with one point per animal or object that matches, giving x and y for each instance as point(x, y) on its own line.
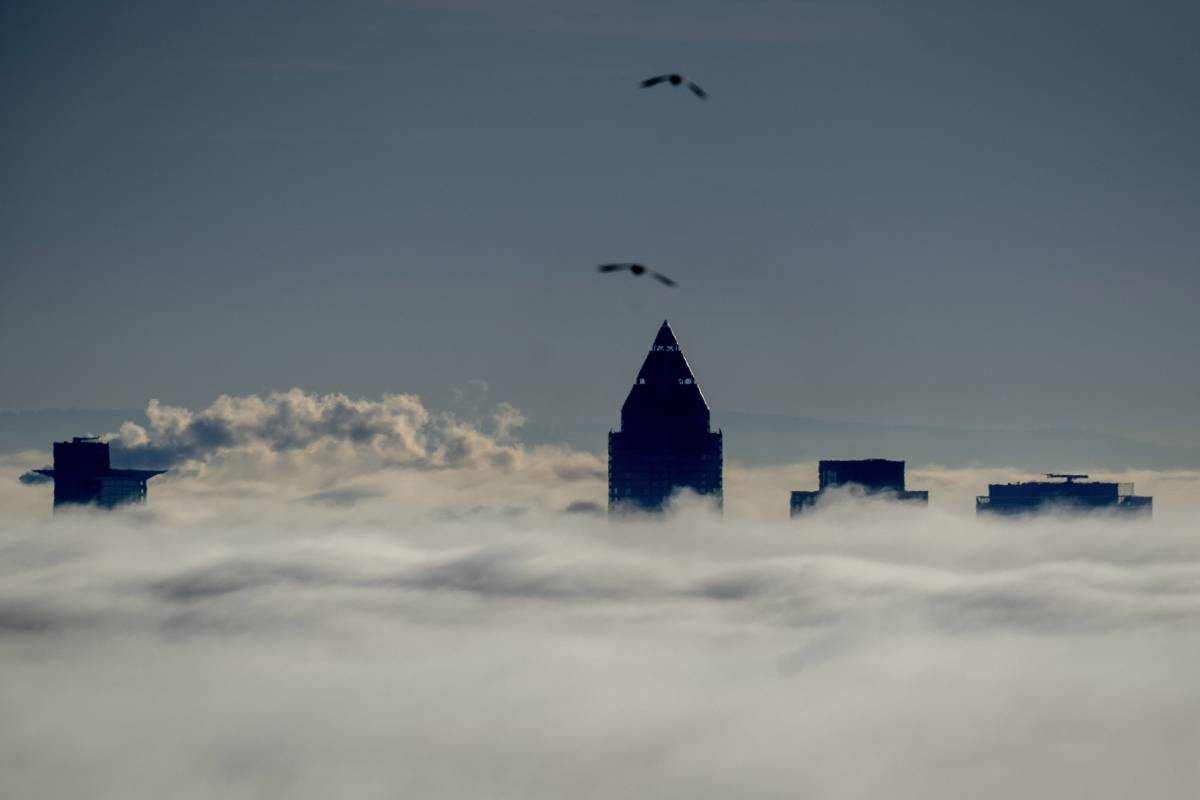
point(229, 640)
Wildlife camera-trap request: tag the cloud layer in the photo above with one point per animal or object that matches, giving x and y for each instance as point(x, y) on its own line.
point(331, 597)
point(245, 646)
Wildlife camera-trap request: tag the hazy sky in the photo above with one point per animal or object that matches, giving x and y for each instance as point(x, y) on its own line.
point(951, 213)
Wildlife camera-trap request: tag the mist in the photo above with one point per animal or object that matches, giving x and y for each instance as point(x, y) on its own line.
point(456, 632)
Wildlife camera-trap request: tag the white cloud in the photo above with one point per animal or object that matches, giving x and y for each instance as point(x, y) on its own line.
point(336, 449)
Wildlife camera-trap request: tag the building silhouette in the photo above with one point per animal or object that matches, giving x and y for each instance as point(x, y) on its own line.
point(1068, 492)
point(873, 475)
point(82, 476)
point(664, 443)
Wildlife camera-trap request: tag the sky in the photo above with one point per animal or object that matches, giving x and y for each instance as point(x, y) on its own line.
point(976, 215)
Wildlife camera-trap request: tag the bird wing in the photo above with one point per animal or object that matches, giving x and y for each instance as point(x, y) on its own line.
point(657, 79)
point(658, 276)
point(696, 90)
point(612, 267)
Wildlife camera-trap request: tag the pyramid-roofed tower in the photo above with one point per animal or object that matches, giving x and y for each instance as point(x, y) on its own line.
point(665, 393)
point(664, 444)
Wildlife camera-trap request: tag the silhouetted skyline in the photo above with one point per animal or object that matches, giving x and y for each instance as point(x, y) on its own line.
point(341, 259)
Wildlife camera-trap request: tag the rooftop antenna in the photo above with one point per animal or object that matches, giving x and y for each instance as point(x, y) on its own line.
point(1071, 478)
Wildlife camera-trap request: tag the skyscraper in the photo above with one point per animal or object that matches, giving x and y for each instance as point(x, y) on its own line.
point(664, 443)
point(82, 476)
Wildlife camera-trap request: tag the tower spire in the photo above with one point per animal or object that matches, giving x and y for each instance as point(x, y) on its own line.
point(665, 394)
point(665, 338)
point(665, 443)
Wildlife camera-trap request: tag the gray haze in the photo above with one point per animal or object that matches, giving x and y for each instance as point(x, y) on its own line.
point(930, 213)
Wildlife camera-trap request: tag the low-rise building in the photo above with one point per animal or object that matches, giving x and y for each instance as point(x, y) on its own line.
point(82, 476)
point(1070, 492)
point(874, 476)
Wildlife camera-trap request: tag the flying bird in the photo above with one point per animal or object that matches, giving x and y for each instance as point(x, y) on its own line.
point(675, 80)
point(637, 269)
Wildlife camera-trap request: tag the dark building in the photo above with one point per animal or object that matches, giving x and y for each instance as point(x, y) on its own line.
point(873, 475)
point(1067, 493)
point(664, 443)
point(82, 476)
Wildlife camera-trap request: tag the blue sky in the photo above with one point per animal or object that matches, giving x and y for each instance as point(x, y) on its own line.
point(929, 213)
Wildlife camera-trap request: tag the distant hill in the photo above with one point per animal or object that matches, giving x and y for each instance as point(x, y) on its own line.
point(764, 439)
point(759, 440)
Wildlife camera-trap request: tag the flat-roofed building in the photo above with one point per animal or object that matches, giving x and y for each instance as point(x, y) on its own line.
point(1069, 492)
point(664, 444)
point(82, 476)
point(873, 476)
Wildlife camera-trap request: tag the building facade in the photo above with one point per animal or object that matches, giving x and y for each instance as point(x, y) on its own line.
point(872, 475)
point(1064, 493)
point(665, 443)
point(82, 476)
